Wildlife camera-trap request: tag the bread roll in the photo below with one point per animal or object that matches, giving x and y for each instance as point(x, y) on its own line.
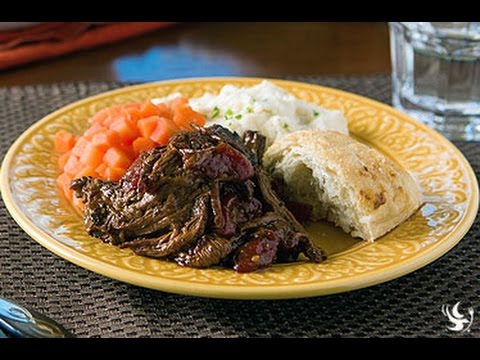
point(346, 182)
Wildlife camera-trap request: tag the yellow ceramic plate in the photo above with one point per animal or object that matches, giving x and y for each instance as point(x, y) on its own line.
point(447, 180)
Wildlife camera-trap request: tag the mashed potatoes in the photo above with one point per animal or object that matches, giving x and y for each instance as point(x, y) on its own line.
point(267, 109)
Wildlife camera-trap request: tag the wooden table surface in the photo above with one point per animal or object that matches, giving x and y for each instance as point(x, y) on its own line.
point(221, 49)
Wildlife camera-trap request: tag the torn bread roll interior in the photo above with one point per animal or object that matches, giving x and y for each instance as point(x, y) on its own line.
point(345, 181)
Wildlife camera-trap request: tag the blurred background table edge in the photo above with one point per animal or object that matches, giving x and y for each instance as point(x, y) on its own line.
point(221, 49)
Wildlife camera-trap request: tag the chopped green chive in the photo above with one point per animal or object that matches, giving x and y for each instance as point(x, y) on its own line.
point(285, 126)
point(315, 113)
point(215, 112)
point(249, 110)
point(228, 114)
point(238, 116)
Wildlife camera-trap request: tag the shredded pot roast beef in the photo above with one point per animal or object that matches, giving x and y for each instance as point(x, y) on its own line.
point(201, 200)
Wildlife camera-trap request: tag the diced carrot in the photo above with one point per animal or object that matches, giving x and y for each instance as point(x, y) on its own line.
point(100, 170)
point(114, 157)
point(105, 114)
point(164, 111)
point(149, 109)
point(141, 144)
point(92, 130)
point(63, 183)
point(199, 119)
point(73, 165)
point(132, 114)
point(109, 120)
point(113, 114)
point(163, 131)
point(147, 125)
point(183, 121)
point(114, 173)
point(184, 115)
point(80, 146)
point(100, 116)
point(128, 150)
point(116, 137)
point(106, 139)
point(86, 171)
point(93, 156)
point(64, 141)
point(131, 105)
point(116, 109)
point(178, 102)
point(127, 130)
point(62, 160)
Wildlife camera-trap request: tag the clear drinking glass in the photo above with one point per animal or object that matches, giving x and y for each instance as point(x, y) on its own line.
point(436, 75)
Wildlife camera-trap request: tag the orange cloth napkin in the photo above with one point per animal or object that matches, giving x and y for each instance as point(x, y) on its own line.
point(48, 40)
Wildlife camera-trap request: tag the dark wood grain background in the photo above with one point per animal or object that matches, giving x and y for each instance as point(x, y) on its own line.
point(208, 49)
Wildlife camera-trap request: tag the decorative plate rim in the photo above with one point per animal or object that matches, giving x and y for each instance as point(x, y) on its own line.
point(180, 286)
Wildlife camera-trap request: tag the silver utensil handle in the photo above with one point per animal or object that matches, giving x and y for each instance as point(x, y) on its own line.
point(21, 322)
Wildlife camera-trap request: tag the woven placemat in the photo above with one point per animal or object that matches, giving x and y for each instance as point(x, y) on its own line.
point(91, 305)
